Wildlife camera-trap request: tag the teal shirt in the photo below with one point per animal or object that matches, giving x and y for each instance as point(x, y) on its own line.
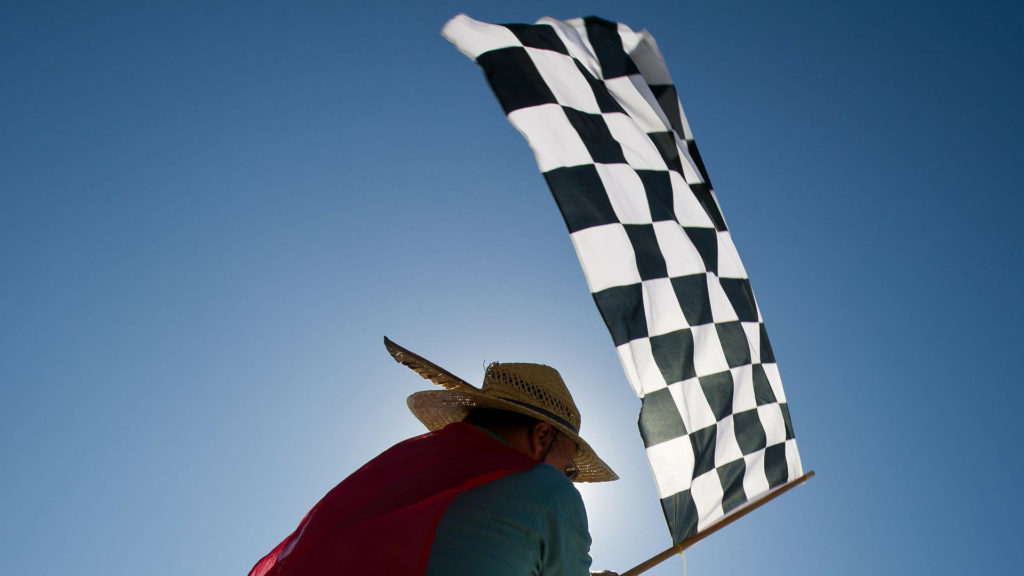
point(530, 523)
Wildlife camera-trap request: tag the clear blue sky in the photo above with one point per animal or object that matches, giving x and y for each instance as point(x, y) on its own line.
point(210, 214)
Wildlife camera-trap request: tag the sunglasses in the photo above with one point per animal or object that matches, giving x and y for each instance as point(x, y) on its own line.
point(572, 472)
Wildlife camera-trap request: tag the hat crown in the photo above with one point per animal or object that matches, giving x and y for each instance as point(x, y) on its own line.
point(533, 385)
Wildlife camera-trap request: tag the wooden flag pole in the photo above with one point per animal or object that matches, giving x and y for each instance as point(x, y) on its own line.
point(722, 523)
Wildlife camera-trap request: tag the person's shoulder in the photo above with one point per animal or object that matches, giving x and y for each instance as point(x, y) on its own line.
point(558, 505)
point(544, 479)
point(546, 473)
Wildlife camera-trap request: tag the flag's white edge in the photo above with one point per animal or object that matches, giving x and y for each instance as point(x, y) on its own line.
point(473, 37)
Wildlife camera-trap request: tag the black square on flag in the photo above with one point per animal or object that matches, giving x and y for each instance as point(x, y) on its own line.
point(623, 312)
point(665, 142)
point(775, 467)
point(784, 406)
point(734, 343)
point(668, 99)
point(515, 79)
point(741, 297)
point(705, 240)
point(749, 431)
point(659, 418)
point(703, 194)
point(605, 102)
point(580, 196)
point(681, 511)
point(596, 137)
point(543, 37)
point(763, 392)
point(659, 194)
point(673, 353)
point(767, 356)
point(718, 392)
point(703, 442)
point(692, 292)
point(731, 476)
point(607, 44)
point(649, 260)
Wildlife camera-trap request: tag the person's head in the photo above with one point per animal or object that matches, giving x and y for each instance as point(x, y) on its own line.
point(527, 435)
point(528, 405)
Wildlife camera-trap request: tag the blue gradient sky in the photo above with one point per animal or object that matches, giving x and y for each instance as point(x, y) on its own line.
point(211, 213)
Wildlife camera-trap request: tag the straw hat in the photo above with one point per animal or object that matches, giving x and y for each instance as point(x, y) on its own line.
point(535, 390)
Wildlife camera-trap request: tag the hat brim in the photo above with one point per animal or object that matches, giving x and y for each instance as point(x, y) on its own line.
point(438, 408)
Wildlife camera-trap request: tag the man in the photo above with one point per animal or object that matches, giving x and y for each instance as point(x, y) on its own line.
point(488, 491)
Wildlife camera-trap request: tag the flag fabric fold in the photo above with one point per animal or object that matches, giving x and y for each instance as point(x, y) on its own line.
point(597, 105)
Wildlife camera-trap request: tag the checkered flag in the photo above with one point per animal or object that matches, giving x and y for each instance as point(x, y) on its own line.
point(597, 106)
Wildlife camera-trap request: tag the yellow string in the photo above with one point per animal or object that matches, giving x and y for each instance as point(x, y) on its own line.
point(679, 547)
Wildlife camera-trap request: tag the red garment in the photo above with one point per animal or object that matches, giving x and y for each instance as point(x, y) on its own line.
point(382, 518)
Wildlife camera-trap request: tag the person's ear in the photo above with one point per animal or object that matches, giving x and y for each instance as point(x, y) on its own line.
point(540, 436)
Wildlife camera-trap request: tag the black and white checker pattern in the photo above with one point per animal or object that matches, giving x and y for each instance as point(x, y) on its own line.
point(597, 106)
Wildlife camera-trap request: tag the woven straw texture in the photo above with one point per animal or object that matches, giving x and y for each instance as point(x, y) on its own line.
point(535, 390)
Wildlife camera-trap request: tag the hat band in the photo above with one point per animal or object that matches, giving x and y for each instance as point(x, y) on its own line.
point(551, 415)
